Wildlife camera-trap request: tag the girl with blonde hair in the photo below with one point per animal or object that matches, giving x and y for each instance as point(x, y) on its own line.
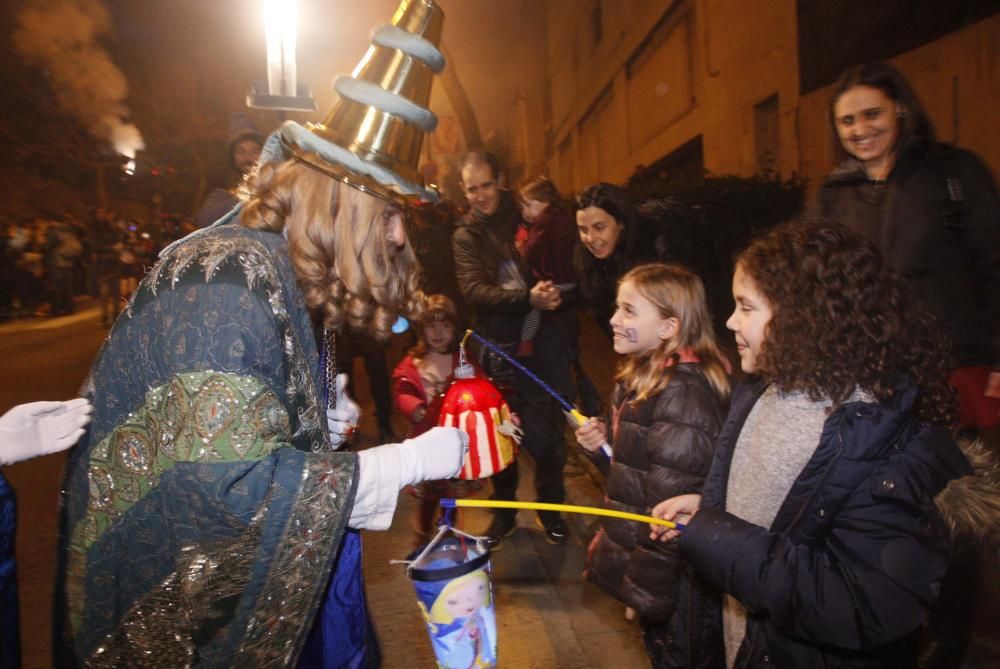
point(666, 411)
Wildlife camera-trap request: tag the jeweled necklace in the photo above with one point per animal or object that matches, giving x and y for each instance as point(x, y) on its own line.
point(328, 365)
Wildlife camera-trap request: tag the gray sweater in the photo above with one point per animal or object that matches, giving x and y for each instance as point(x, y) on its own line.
point(779, 437)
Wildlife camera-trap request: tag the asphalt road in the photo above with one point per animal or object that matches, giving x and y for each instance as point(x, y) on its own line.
point(42, 360)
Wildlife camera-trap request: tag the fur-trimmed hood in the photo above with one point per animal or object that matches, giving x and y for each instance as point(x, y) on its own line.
point(970, 505)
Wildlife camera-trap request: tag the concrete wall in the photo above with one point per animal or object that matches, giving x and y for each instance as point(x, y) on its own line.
point(656, 74)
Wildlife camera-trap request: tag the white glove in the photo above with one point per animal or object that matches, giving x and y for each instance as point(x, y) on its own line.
point(436, 454)
point(342, 421)
point(384, 470)
point(40, 428)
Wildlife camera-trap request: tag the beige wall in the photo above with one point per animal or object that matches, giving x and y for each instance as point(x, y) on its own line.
point(666, 71)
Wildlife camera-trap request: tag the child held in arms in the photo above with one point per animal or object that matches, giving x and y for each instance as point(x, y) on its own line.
point(547, 247)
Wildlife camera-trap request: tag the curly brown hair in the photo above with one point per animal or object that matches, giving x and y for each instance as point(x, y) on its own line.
point(348, 271)
point(842, 319)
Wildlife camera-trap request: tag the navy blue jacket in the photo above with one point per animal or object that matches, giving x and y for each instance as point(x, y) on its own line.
point(845, 574)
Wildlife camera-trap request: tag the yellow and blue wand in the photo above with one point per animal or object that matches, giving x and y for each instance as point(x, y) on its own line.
point(563, 508)
point(571, 411)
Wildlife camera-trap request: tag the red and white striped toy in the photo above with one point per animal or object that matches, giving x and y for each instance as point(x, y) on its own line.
point(475, 406)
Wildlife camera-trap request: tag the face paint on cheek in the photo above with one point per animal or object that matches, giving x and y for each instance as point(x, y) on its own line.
point(631, 335)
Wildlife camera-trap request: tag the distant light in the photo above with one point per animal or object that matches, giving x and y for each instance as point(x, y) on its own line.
point(401, 325)
point(130, 167)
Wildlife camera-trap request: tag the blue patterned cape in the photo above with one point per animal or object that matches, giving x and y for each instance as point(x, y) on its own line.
point(204, 509)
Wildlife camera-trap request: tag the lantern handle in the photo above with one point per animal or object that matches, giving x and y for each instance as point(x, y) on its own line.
point(432, 544)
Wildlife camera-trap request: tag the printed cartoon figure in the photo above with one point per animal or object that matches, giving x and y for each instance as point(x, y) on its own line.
point(463, 624)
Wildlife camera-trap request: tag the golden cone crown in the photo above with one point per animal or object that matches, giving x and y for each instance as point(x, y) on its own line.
point(372, 136)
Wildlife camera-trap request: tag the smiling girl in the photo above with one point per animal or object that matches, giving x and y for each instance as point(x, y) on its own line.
point(667, 409)
point(815, 541)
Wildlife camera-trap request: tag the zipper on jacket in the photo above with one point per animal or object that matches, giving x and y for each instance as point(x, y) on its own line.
point(822, 481)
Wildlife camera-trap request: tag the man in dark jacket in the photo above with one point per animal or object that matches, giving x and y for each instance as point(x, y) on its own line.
point(491, 275)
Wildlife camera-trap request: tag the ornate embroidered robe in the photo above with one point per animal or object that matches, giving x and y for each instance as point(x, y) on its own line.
point(203, 511)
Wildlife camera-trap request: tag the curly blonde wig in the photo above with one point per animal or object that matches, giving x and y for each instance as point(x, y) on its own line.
point(349, 272)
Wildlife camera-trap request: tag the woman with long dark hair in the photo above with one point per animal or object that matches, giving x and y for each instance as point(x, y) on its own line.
point(615, 236)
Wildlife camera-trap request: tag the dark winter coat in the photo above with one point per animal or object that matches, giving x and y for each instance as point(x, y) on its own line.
point(480, 246)
point(948, 252)
point(845, 574)
point(662, 448)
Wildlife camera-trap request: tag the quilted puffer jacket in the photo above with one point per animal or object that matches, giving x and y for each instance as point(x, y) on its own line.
point(662, 447)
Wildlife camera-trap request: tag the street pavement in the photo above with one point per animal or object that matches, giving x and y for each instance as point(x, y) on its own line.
point(548, 616)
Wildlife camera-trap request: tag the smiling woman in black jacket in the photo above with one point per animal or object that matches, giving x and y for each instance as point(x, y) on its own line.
point(615, 236)
point(933, 212)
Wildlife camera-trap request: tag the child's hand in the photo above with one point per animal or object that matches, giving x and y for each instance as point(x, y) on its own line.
point(679, 509)
point(592, 434)
point(544, 295)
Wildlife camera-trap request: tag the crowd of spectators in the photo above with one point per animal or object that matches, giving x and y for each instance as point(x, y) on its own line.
point(51, 262)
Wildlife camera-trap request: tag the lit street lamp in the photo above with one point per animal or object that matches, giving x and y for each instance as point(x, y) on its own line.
point(283, 92)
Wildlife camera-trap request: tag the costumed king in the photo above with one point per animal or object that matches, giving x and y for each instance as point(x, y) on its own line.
point(206, 512)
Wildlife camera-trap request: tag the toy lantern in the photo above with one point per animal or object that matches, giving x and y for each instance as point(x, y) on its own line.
point(454, 586)
point(475, 406)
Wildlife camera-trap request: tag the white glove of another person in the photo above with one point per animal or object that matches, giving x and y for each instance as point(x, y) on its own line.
point(384, 470)
point(40, 428)
point(342, 421)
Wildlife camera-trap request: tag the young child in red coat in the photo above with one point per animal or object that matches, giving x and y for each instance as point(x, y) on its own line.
point(419, 383)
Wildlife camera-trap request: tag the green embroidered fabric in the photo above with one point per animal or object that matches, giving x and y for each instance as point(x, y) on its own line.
point(197, 417)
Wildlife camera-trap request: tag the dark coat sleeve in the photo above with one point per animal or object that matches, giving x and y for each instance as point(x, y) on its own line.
point(477, 283)
point(868, 582)
point(982, 241)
